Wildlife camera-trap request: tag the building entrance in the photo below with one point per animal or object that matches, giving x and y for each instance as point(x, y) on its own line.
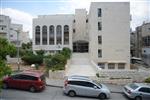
point(80, 46)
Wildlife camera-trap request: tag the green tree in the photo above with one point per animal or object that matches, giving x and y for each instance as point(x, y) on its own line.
point(6, 48)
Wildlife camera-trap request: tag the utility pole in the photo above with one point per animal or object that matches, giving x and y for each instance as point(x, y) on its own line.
point(18, 62)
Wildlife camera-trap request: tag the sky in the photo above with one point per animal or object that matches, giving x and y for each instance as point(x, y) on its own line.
point(23, 11)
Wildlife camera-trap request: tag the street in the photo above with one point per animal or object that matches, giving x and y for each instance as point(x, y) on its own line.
point(50, 93)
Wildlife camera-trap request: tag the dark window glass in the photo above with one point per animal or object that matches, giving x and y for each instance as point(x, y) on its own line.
point(99, 53)
point(16, 76)
point(66, 34)
point(145, 89)
point(99, 12)
point(99, 26)
point(51, 35)
point(59, 34)
point(86, 20)
point(37, 35)
point(74, 30)
point(101, 65)
point(111, 66)
point(133, 86)
point(44, 35)
point(99, 39)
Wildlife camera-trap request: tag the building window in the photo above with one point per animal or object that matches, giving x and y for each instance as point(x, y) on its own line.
point(1, 20)
point(99, 26)
point(146, 41)
point(99, 53)
point(59, 34)
point(101, 65)
point(74, 30)
point(44, 35)
point(121, 65)
point(99, 39)
point(66, 34)
point(74, 21)
point(51, 35)
point(86, 20)
point(37, 35)
point(11, 35)
point(111, 66)
point(99, 12)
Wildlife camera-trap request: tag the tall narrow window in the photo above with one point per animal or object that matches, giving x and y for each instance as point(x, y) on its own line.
point(99, 12)
point(44, 35)
point(51, 35)
point(59, 34)
point(99, 39)
point(66, 34)
point(37, 35)
point(99, 26)
point(99, 53)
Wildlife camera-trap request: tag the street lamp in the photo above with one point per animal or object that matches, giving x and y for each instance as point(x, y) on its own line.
point(18, 63)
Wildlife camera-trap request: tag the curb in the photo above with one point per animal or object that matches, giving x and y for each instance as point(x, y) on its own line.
point(116, 92)
point(62, 87)
point(54, 86)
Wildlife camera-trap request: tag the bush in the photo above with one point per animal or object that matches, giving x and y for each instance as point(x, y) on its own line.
point(66, 52)
point(40, 52)
point(147, 80)
point(32, 59)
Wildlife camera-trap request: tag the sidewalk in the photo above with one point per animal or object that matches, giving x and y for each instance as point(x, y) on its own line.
point(59, 83)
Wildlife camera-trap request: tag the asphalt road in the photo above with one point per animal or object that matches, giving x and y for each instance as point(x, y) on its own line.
point(50, 93)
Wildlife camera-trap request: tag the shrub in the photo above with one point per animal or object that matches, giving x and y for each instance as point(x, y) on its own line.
point(66, 52)
point(147, 80)
point(40, 52)
point(32, 59)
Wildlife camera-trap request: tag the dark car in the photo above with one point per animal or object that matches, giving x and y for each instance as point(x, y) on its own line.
point(32, 81)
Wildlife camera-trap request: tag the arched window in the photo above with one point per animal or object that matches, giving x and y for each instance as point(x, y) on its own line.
point(37, 35)
point(51, 35)
point(44, 35)
point(59, 34)
point(66, 34)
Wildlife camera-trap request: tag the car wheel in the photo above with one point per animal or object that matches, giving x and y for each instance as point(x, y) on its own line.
point(138, 98)
point(71, 93)
point(102, 96)
point(5, 85)
point(32, 89)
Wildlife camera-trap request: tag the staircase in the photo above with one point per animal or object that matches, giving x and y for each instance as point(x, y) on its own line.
point(80, 65)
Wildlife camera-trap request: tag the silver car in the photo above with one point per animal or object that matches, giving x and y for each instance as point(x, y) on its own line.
point(137, 91)
point(83, 86)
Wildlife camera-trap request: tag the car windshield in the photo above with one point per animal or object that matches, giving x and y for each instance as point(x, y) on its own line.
point(133, 86)
point(97, 83)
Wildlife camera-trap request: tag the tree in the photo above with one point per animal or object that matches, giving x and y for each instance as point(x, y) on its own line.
point(6, 48)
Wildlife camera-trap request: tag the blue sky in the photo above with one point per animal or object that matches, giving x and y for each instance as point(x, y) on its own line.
point(22, 11)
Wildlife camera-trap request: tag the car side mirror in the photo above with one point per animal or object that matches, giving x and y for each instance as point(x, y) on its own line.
point(95, 87)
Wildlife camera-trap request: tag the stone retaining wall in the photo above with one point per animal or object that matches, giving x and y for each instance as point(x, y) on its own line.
point(56, 74)
point(123, 76)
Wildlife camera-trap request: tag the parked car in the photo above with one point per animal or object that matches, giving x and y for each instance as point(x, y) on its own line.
point(32, 81)
point(137, 91)
point(83, 86)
